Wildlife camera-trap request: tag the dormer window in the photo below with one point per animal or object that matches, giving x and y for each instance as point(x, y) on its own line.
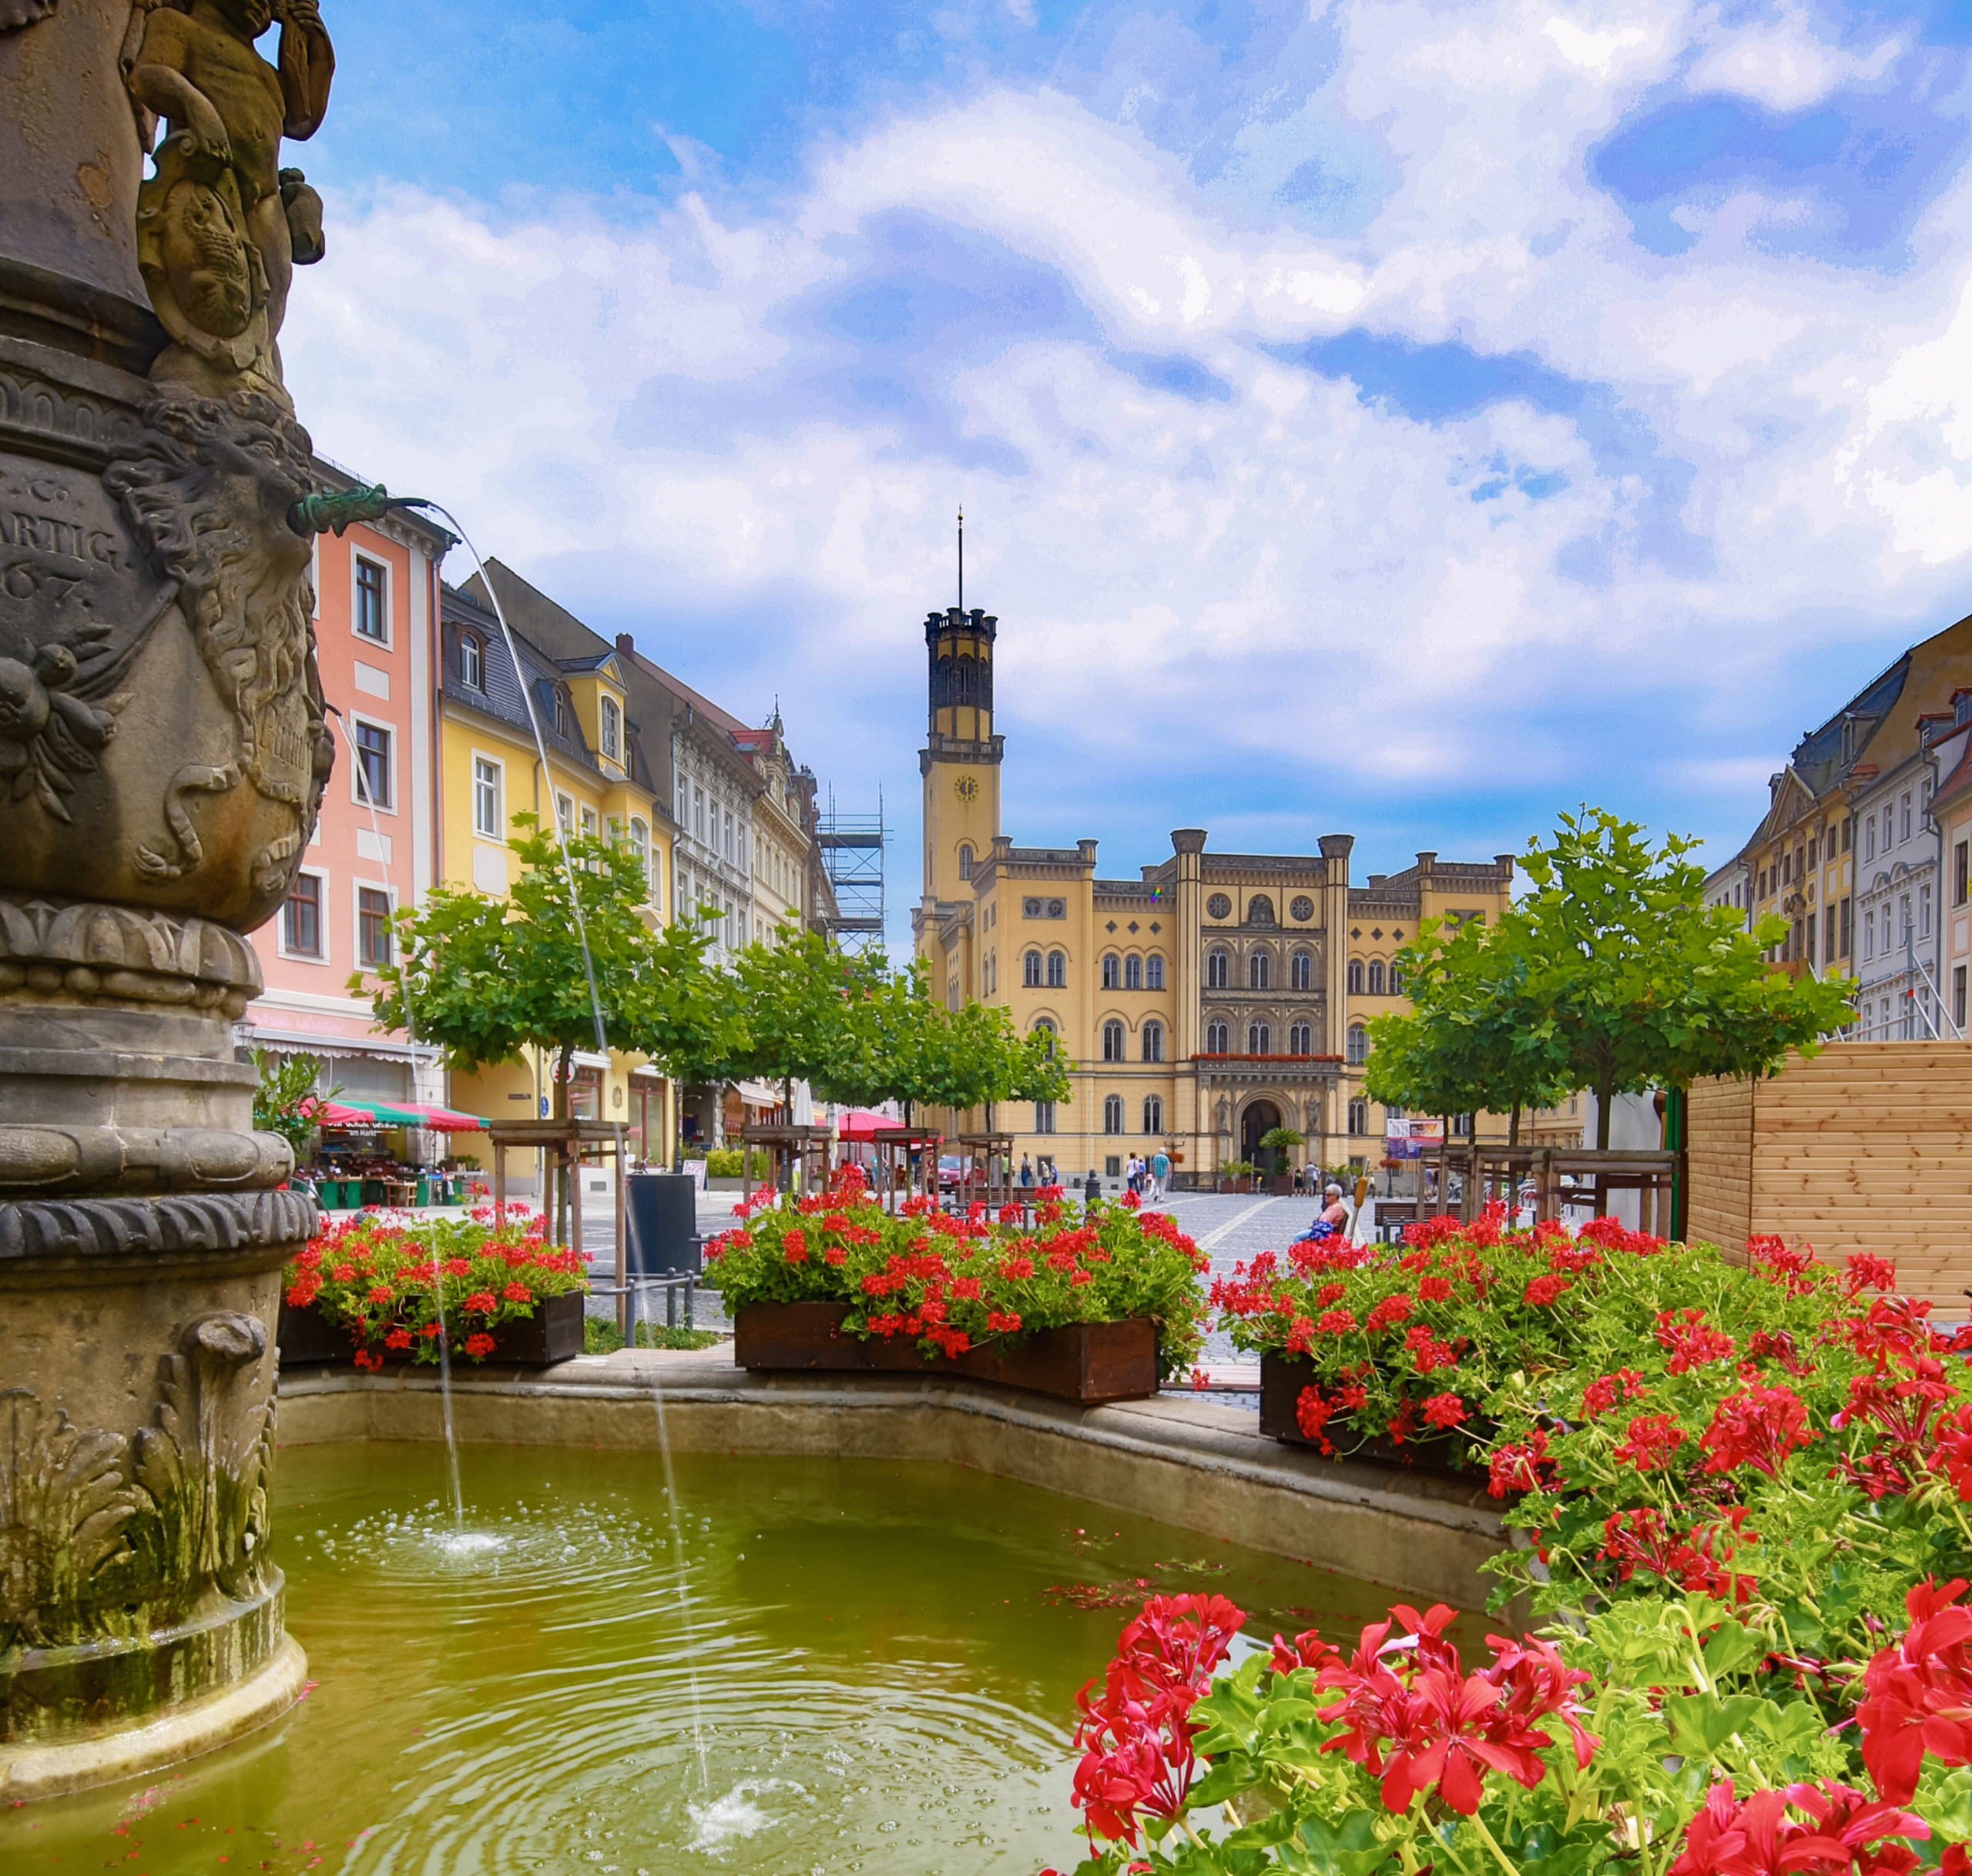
point(560, 708)
point(472, 660)
point(612, 730)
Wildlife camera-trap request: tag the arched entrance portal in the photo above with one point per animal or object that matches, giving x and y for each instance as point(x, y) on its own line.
point(1261, 1117)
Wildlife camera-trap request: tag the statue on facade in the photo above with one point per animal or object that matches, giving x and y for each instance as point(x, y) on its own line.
point(221, 227)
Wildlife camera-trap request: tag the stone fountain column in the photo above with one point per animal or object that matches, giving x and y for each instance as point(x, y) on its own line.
point(162, 753)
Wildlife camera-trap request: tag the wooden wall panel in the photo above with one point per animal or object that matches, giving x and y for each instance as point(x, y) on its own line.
point(1867, 1148)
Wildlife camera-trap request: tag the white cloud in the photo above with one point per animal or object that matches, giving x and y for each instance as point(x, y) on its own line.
point(653, 409)
point(1782, 64)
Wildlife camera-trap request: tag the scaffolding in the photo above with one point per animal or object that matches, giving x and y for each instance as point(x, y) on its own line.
point(852, 849)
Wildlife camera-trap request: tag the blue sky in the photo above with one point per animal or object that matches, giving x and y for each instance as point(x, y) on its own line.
point(1405, 418)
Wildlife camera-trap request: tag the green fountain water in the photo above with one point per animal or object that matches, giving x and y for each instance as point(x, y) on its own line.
point(887, 1660)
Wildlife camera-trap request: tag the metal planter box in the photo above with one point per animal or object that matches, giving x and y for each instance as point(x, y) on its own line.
point(553, 1333)
point(1084, 1362)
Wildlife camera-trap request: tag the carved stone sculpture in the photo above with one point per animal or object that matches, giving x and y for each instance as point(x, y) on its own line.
point(164, 750)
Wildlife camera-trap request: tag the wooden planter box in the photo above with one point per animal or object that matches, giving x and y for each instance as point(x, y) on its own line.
point(552, 1334)
point(1282, 1378)
point(1085, 1362)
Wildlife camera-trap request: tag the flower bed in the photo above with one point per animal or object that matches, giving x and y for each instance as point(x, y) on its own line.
point(951, 1285)
point(377, 1287)
point(1739, 1494)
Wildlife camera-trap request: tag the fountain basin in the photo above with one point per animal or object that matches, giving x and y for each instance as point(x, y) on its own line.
point(887, 1654)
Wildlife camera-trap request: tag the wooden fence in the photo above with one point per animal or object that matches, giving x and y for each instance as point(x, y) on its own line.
point(1867, 1147)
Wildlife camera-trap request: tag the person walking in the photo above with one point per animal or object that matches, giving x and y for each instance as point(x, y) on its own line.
point(1160, 1170)
point(1026, 1171)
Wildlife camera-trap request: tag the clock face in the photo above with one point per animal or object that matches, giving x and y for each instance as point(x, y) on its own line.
point(967, 788)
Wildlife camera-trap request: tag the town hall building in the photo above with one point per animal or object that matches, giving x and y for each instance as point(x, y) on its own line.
point(1212, 998)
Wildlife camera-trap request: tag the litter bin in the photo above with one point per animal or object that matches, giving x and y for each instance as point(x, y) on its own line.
point(661, 1211)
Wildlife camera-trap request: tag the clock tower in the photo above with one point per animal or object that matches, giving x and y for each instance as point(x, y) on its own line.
point(961, 758)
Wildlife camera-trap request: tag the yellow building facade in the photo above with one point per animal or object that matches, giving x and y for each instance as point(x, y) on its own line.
point(596, 781)
point(1204, 1003)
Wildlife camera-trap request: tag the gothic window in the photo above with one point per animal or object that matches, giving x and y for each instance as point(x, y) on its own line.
point(1218, 970)
point(1377, 977)
point(1031, 970)
point(1258, 969)
point(1112, 1114)
point(1153, 1114)
point(1112, 971)
point(1132, 974)
point(965, 862)
point(1217, 1040)
point(1153, 1042)
point(1112, 1043)
point(1153, 971)
point(1045, 1026)
point(1355, 977)
point(1396, 980)
point(1359, 1117)
point(1058, 970)
point(1260, 1039)
point(1358, 1045)
point(1301, 1039)
point(1301, 973)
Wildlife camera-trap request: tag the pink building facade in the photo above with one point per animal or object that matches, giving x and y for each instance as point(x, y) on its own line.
point(375, 630)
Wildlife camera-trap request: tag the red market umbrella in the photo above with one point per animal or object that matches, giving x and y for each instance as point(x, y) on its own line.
point(861, 1124)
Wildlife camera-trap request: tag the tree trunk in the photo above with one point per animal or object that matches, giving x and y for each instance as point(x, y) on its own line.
point(1605, 1099)
point(562, 1177)
point(1512, 1126)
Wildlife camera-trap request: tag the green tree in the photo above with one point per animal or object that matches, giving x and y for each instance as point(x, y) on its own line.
point(1474, 1040)
point(285, 1101)
point(1610, 974)
point(799, 1000)
point(487, 977)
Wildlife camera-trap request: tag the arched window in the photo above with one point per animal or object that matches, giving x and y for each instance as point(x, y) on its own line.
point(1359, 1117)
point(640, 847)
point(1301, 975)
point(1217, 970)
point(1217, 1040)
point(1396, 980)
point(1045, 1026)
point(472, 660)
point(558, 703)
point(1358, 1045)
point(1112, 972)
point(1259, 970)
point(1132, 974)
point(965, 862)
point(1301, 1039)
point(612, 730)
point(1153, 1114)
point(1112, 1043)
point(1029, 967)
point(1112, 1114)
point(1044, 1117)
point(1153, 1042)
point(1260, 1039)
point(1355, 977)
point(1058, 970)
point(1153, 971)
point(1377, 977)
point(1259, 912)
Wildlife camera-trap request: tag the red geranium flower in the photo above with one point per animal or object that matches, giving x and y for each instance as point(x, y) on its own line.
point(478, 1345)
point(1758, 1427)
point(480, 1303)
point(1917, 1694)
point(1653, 1438)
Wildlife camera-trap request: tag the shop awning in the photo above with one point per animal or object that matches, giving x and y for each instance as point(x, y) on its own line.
point(368, 1113)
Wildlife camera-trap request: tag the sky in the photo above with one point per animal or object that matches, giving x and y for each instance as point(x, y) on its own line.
point(1411, 420)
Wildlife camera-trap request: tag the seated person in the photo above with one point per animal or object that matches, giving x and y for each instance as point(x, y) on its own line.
point(1334, 1220)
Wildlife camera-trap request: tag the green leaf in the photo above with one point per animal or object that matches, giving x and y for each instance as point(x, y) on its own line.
point(1730, 1647)
point(1701, 1723)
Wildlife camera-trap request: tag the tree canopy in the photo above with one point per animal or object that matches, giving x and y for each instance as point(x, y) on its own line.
point(486, 977)
point(1610, 974)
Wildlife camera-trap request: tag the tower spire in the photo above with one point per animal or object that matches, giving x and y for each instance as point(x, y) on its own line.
point(962, 557)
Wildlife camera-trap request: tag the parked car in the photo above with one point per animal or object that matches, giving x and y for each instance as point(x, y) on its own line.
point(957, 1173)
